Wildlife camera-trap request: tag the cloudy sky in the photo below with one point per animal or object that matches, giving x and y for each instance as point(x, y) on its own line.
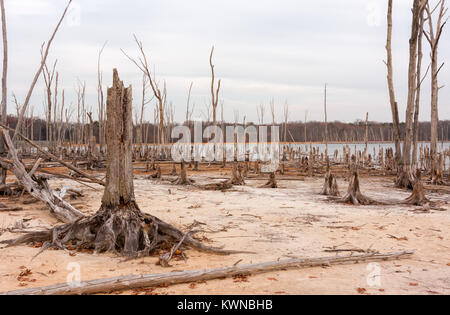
point(285, 49)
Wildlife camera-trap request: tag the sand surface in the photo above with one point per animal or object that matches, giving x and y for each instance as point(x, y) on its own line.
point(291, 221)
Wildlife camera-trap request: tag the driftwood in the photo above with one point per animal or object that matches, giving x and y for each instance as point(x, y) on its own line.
point(222, 186)
point(171, 278)
point(5, 208)
point(38, 186)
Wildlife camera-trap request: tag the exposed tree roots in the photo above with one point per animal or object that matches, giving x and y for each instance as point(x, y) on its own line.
point(417, 197)
point(272, 183)
point(405, 178)
point(126, 231)
point(354, 195)
point(183, 179)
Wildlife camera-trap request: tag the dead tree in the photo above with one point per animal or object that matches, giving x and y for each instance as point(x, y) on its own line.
point(419, 81)
point(38, 73)
point(354, 195)
point(272, 183)
point(37, 187)
point(394, 107)
point(236, 175)
point(160, 97)
point(417, 197)
point(101, 102)
point(183, 179)
point(214, 92)
point(326, 121)
point(4, 87)
point(330, 186)
point(433, 36)
point(405, 176)
point(119, 225)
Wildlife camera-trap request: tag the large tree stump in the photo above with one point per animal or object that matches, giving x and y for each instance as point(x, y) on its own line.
point(183, 179)
point(119, 225)
point(236, 175)
point(272, 182)
point(354, 195)
point(330, 186)
point(417, 197)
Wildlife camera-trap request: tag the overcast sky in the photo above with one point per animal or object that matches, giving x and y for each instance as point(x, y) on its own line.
point(285, 49)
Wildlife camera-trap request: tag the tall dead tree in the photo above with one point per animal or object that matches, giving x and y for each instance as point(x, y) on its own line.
point(38, 73)
point(101, 102)
point(390, 79)
point(4, 86)
point(419, 81)
point(326, 121)
point(49, 76)
point(189, 110)
point(214, 91)
point(406, 176)
point(144, 66)
point(433, 36)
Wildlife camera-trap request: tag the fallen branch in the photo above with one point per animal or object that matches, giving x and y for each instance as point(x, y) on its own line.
point(38, 187)
point(153, 280)
point(54, 158)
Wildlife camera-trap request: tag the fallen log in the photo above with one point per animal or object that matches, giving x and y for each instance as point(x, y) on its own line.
point(54, 158)
point(153, 280)
point(38, 187)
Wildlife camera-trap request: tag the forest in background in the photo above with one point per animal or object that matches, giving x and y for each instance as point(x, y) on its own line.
point(36, 130)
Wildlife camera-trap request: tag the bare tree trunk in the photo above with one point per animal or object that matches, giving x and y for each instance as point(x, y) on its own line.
point(405, 178)
point(326, 122)
point(394, 107)
point(119, 189)
point(418, 89)
point(101, 103)
point(4, 87)
point(214, 95)
point(433, 36)
point(38, 73)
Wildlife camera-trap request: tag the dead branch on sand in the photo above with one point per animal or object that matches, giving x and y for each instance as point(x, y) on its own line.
point(171, 278)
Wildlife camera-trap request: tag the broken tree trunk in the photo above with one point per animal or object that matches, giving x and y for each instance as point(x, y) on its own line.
point(354, 195)
point(236, 175)
point(417, 197)
point(119, 225)
point(330, 187)
point(272, 183)
point(183, 179)
point(171, 278)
